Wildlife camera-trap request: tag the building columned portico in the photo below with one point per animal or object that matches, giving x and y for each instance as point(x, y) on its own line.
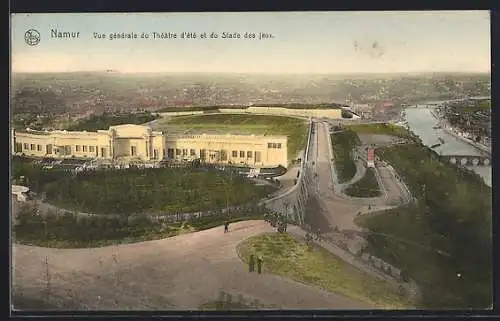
point(140, 142)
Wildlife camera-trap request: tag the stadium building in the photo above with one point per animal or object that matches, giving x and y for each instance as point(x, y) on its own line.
point(135, 142)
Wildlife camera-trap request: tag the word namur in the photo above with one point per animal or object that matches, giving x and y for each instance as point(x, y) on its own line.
point(54, 33)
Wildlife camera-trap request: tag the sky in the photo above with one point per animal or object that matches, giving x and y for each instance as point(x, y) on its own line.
point(302, 42)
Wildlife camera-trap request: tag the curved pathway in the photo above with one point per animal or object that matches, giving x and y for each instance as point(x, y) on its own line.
point(181, 272)
point(340, 210)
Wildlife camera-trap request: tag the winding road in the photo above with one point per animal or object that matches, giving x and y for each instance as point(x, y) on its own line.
point(180, 272)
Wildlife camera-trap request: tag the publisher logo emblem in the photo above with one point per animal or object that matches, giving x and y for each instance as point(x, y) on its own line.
point(32, 37)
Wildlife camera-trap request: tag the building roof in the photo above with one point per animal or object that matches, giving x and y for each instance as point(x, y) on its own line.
point(223, 136)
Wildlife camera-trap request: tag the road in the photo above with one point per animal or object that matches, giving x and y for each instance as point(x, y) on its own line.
point(287, 180)
point(338, 210)
point(180, 272)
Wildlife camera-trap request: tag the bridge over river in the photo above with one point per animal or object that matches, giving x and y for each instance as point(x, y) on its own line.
point(467, 160)
point(454, 149)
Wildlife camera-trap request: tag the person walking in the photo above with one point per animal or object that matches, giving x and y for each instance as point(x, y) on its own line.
point(226, 227)
point(259, 264)
point(251, 263)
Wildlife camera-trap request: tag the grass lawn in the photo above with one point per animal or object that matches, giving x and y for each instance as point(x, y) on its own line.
point(295, 129)
point(343, 144)
point(104, 121)
point(387, 129)
point(365, 187)
point(284, 255)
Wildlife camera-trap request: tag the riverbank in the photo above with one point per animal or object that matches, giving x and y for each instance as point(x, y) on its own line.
point(476, 145)
point(448, 129)
point(422, 122)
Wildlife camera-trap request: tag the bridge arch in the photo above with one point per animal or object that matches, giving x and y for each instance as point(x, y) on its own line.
point(469, 160)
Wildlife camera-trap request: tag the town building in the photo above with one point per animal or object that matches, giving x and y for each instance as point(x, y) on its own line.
point(136, 142)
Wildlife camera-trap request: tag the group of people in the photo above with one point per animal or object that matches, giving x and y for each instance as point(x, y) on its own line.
point(252, 261)
point(277, 220)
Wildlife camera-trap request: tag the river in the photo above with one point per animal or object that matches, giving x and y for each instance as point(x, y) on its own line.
point(422, 123)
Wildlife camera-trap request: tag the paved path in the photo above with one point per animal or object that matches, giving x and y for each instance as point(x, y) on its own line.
point(340, 210)
point(287, 180)
point(181, 272)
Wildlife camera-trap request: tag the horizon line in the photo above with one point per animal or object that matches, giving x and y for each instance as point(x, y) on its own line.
point(115, 72)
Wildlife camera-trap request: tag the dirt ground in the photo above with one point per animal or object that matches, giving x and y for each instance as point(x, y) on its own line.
point(181, 272)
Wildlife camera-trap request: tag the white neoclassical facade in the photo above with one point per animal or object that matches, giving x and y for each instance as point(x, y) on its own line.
point(128, 141)
point(116, 142)
point(251, 150)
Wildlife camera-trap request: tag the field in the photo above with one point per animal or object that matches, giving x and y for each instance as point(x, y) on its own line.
point(452, 221)
point(285, 256)
point(387, 129)
point(105, 120)
point(295, 129)
point(159, 190)
point(365, 187)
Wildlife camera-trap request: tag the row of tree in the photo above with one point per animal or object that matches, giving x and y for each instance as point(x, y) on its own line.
point(157, 190)
point(75, 231)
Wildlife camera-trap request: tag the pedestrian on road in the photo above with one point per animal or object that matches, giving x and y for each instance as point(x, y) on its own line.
point(226, 227)
point(251, 263)
point(259, 264)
